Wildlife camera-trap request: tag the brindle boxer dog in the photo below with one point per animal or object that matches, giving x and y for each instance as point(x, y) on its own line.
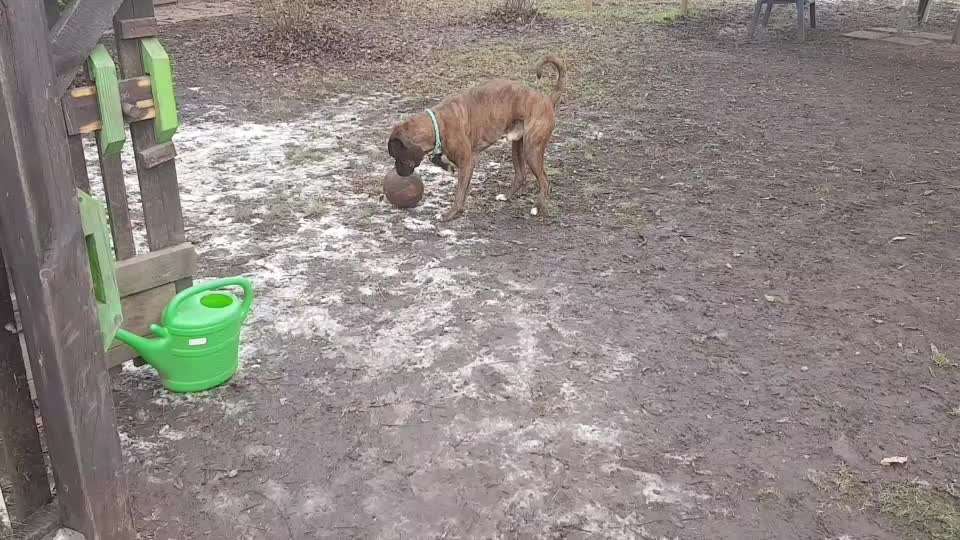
point(464, 125)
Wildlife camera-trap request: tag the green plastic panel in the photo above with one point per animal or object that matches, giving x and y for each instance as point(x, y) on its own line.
point(103, 267)
point(156, 63)
point(104, 72)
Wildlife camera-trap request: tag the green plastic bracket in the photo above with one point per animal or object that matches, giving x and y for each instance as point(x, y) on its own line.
point(104, 72)
point(103, 267)
point(156, 63)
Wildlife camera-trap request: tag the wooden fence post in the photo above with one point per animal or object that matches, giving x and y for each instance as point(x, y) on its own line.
point(159, 189)
point(43, 244)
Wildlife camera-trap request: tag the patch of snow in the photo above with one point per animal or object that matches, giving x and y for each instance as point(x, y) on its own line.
point(171, 434)
point(4, 515)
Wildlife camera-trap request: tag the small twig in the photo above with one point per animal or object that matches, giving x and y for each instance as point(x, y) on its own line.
point(283, 516)
point(251, 507)
point(403, 425)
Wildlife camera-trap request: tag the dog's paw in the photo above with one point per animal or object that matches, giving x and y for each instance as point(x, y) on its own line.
point(543, 210)
point(450, 215)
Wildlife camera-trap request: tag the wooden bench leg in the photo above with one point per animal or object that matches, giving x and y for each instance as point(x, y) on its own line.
point(756, 17)
point(801, 27)
point(956, 32)
point(766, 15)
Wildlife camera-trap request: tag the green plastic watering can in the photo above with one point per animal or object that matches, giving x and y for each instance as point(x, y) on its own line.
point(198, 346)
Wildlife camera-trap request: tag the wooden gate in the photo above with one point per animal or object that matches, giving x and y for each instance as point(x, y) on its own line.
point(43, 249)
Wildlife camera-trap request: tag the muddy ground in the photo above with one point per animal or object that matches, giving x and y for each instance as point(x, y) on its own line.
point(743, 300)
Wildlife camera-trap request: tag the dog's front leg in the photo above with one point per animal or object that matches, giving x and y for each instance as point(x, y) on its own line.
point(464, 175)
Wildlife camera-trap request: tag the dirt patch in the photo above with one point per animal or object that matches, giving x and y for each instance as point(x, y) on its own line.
point(723, 328)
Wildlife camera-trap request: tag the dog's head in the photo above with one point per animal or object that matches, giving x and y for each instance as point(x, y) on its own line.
point(406, 153)
point(406, 147)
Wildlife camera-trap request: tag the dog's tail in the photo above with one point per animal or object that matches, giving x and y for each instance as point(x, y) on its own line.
point(561, 76)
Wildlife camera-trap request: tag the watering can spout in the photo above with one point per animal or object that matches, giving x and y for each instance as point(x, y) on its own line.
point(153, 351)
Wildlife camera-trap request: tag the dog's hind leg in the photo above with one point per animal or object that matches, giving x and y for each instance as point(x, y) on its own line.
point(519, 170)
point(533, 155)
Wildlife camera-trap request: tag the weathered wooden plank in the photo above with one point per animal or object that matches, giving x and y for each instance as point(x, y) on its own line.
point(159, 189)
point(78, 163)
point(157, 154)
point(75, 34)
point(156, 268)
point(144, 308)
point(82, 115)
point(40, 230)
point(23, 473)
point(118, 204)
point(138, 28)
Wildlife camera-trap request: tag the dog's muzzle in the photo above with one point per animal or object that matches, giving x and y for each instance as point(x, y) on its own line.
point(404, 169)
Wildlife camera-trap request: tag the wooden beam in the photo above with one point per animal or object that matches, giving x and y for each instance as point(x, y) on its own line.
point(82, 114)
point(159, 189)
point(40, 230)
point(75, 35)
point(139, 28)
point(156, 268)
point(23, 473)
point(142, 309)
point(157, 154)
point(118, 204)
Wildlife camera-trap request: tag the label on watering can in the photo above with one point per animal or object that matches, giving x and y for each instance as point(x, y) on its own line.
point(196, 342)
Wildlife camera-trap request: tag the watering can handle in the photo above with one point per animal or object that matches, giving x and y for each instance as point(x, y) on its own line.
point(214, 285)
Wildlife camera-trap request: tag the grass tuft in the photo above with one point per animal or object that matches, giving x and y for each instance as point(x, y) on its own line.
point(930, 512)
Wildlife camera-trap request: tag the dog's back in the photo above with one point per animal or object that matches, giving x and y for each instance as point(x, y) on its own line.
point(500, 107)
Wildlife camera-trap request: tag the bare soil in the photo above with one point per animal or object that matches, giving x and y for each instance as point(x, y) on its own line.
point(743, 300)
